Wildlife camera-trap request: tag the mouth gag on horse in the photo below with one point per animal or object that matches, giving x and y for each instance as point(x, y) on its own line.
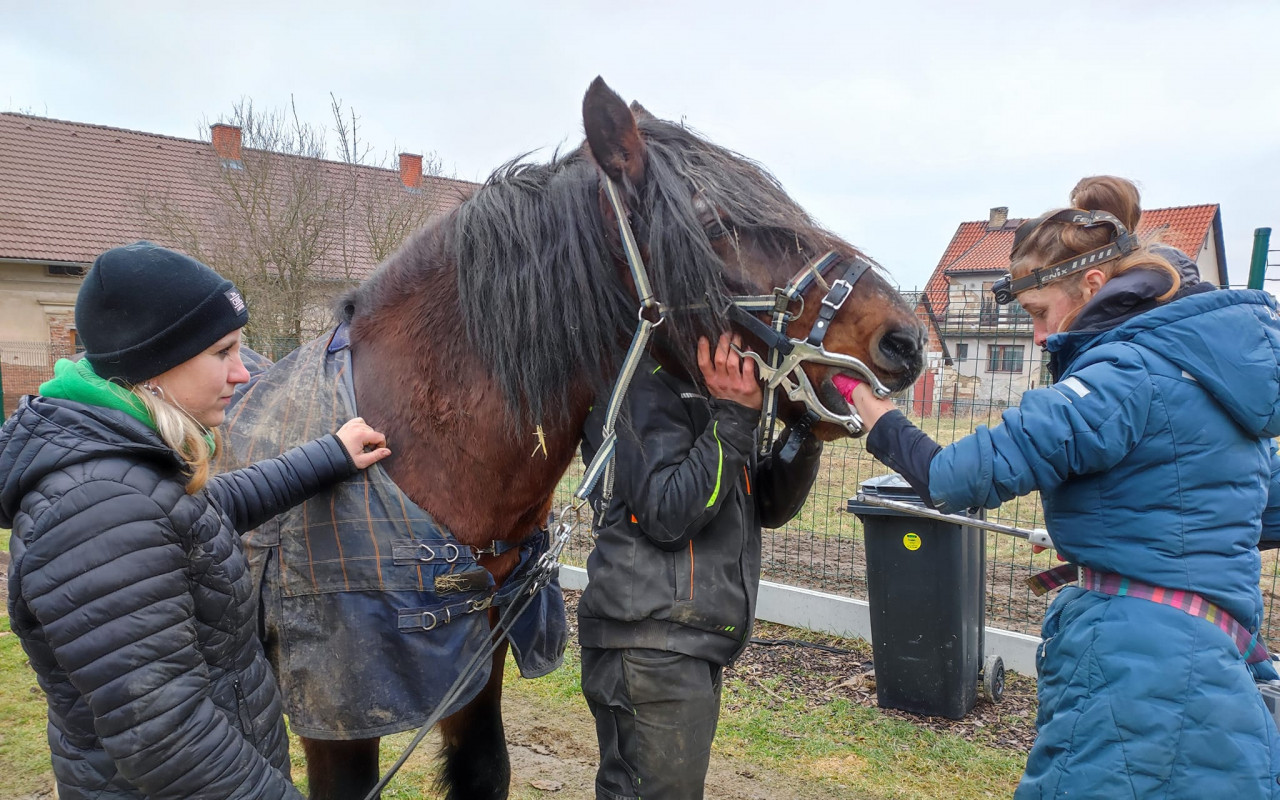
point(783, 369)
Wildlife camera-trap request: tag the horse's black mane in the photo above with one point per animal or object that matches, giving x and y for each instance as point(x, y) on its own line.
point(541, 298)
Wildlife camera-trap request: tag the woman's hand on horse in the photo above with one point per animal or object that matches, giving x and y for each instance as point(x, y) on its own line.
point(868, 406)
point(365, 445)
point(729, 376)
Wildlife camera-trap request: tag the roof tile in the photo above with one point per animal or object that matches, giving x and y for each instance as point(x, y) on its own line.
point(973, 248)
point(70, 190)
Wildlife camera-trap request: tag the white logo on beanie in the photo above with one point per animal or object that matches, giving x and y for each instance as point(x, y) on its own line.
point(237, 302)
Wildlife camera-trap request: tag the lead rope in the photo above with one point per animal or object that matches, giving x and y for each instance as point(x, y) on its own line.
point(570, 516)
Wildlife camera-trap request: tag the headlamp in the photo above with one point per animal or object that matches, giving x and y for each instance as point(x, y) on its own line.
point(1122, 243)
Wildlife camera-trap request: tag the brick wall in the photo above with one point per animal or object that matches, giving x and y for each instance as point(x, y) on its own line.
point(26, 365)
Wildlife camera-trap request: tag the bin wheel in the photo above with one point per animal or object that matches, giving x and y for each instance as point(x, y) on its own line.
point(993, 679)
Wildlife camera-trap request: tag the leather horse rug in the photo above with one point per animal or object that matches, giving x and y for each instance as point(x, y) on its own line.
point(370, 610)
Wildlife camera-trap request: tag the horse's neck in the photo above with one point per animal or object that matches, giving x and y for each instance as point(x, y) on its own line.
point(455, 453)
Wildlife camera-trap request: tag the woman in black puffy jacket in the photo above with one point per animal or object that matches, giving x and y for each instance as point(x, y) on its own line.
point(128, 585)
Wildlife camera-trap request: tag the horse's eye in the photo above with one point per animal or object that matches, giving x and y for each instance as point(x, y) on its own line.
point(715, 229)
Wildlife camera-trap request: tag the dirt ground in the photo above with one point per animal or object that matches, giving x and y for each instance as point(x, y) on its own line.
point(558, 753)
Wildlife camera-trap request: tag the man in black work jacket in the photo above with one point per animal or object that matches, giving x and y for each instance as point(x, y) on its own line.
point(676, 567)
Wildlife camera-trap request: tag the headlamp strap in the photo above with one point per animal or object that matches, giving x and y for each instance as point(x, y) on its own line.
point(1123, 243)
point(1039, 277)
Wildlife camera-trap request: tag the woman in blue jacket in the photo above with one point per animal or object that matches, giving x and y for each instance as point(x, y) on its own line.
point(1154, 457)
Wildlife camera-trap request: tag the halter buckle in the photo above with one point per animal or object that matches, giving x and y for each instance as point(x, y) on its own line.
point(840, 290)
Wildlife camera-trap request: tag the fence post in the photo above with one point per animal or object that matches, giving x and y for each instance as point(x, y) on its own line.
point(1258, 265)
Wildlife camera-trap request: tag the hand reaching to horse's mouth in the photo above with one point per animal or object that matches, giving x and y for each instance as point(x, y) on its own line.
point(729, 376)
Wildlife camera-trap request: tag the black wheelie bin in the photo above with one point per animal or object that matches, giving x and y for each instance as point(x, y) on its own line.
point(926, 590)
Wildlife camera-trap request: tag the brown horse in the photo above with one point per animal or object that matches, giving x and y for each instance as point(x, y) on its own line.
point(479, 347)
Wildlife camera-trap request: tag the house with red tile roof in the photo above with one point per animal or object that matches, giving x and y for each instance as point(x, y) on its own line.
point(70, 190)
point(981, 352)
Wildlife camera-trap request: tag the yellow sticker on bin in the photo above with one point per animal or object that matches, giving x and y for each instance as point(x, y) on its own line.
point(911, 541)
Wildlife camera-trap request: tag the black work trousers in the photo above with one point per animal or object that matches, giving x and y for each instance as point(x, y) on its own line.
point(656, 714)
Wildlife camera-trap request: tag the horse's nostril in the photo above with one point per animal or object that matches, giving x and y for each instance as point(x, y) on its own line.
point(901, 345)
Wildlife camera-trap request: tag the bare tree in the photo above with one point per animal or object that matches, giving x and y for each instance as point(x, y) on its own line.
point(292, 229)
point(383, 218)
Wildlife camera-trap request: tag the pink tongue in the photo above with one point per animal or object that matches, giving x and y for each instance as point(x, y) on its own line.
point(845, 386)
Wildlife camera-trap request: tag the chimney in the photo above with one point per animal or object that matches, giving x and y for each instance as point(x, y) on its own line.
point(411, 170)
point(999, 216)
point(226, 141)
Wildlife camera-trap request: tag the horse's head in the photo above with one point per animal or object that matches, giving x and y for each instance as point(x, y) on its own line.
point(712, 225)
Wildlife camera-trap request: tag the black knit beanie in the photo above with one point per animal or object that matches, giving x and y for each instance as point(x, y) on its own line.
point(143, 310)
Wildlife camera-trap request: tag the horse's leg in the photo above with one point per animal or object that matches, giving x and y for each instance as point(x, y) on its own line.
point(474, 746)
point(339, 770)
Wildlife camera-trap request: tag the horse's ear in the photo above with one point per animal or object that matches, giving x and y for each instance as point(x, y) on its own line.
point(640, 112)
point(612, 134)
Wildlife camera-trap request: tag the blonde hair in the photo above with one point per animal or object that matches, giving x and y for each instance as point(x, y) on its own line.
point(1053, 242)
point(193, 442)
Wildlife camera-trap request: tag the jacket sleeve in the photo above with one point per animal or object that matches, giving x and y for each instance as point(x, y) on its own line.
point(905, 449)
point(781, 489)
point(1271, 514)
point(111, 594)
point(1083, 424)
point(255, 494)
point(674, 479)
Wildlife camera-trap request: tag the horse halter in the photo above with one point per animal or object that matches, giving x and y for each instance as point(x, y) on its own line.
point(1122, 243)
point(787, 356)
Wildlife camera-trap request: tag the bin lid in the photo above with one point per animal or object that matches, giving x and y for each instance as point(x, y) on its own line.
point(892, 486)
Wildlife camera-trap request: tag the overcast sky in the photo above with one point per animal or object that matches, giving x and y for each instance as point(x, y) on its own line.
point(892, 122)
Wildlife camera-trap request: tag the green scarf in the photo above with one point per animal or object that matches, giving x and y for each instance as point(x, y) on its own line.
point(76, 380)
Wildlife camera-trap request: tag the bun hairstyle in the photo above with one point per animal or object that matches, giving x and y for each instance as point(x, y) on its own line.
point(1053, 242)
point(1117, 196)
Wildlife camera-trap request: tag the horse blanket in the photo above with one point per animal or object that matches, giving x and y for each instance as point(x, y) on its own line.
point(370, 610)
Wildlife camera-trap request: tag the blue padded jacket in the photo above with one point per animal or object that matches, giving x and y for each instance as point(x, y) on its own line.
point(1154, 457)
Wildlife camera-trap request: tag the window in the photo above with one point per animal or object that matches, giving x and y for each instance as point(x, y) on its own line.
point(962, 352)
point(65, 270)
point(1004, 358)
point(77, 346)
point(1046, 377)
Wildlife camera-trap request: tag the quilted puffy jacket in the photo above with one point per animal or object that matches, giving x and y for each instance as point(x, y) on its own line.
point(676, 563)
point(1154, 459)
point(135, 604)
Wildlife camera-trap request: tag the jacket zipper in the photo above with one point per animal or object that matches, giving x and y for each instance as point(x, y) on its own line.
point(242, 711)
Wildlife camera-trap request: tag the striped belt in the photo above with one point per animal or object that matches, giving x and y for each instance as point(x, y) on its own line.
point(1250, 646)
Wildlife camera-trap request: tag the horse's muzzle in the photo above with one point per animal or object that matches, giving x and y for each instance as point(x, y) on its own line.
point(899, 353)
